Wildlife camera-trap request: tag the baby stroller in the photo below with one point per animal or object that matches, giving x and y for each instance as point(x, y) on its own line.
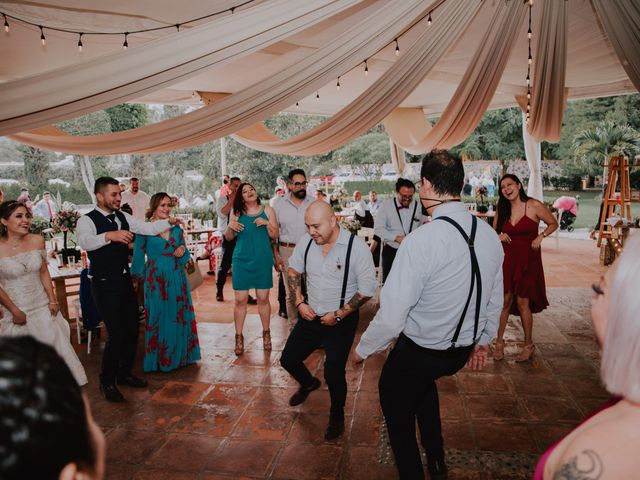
point(569, 208)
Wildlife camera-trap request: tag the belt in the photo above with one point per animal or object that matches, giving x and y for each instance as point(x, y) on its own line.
point(287, 244)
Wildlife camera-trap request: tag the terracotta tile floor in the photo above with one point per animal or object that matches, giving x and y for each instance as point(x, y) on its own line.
point(228, 418)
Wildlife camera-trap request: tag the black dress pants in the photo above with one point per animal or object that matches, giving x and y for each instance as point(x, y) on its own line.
point(117, 306)
point(388, 256)
point(225, 264)
point(282, 294)
point(305, 337)
point(408, 391)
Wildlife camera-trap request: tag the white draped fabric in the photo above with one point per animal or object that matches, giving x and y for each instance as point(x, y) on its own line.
point(548, 97)
point(273, 94)
point(115, 78)
point(533, 152)
point(621, 22)
point(397, 158)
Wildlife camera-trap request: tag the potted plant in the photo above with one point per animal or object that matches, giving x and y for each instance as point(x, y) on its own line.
point(66, 221)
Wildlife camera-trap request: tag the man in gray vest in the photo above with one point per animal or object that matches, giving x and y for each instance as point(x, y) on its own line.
point(442, 301)
point(105, 234)
point(340, 278)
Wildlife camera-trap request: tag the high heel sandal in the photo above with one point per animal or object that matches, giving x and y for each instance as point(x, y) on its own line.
point(527, 353)
point(239, 350)
point(498, 350)
point(266, 340)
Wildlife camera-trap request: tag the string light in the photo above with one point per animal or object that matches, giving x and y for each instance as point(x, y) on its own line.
point(80, 43)
point(318, 96)
point(125, 45)
point(366, 68)
point(529, 62)
point(429, 21)
point(79, 33)
point(397, 48)
point(297, 105)
point(338, 84)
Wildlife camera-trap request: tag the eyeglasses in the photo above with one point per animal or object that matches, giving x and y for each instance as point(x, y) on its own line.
point(299, 184)
point(597, 289)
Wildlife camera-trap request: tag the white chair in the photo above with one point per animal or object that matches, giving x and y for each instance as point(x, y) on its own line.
point(78, 308)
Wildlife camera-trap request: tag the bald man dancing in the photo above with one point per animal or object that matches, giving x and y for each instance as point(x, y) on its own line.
point(337, 265)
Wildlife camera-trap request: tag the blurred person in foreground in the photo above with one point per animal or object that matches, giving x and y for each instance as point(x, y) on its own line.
point(606, 445)
point(47, 431)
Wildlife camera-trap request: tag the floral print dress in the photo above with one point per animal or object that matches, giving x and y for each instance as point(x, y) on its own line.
point(171, 336)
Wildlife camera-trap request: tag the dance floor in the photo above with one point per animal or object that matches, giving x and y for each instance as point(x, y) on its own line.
point(228, 418)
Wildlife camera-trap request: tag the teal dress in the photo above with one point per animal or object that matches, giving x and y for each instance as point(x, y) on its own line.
point(171, 335)
point(252, 261)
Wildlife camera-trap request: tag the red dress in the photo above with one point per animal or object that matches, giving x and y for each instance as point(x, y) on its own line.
point(522, 267)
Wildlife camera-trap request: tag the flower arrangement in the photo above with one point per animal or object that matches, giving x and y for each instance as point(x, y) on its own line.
point(65, 221)
point(352, 225)
point(481, 191)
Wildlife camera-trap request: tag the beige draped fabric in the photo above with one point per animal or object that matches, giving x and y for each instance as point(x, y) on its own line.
point(549, 71)
point(273, 94)
point(115, 78)
point(397, 158)
point(473, 95)
point(621, 22)
point(382, 97)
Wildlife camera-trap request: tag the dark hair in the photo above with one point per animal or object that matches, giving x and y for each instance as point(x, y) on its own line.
point(126, 208)
point(154, 203)
point(102, 182)
point(503, 208)
point(238, 202)
point(43, 421)
point(6, 210)
point(404, 182)
point(134, 179)
point(225, 179)
point(296, 171)
point(233, 179)
point(445, 172)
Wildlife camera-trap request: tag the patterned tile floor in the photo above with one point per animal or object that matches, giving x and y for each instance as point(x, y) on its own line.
point(228, 417)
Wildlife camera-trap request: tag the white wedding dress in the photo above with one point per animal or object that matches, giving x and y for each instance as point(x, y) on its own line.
point(20, 279)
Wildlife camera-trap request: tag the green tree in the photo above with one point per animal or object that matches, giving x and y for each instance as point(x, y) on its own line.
point(593, 147)
point(366, 154)
point(127, 116)
point(36, 167)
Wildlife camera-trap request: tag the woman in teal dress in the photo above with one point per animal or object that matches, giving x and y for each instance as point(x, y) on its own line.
point(171, 336)
point(255, 228)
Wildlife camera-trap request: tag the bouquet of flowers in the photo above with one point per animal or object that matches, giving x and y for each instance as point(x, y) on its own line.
point(481, 191)
point(65, 221)
point(352, 225)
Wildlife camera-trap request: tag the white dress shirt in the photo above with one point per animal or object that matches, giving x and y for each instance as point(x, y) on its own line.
point(223, 220)
point(426, 291)
point(359, 208)
point(325, 274)
point(374, 206)
point(89, 239)
point(139, 203)
point(387, 225)
point(291, 218)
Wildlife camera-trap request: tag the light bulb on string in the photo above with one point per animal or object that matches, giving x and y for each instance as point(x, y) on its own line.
point(529, 33)
point(125, 45)
point(338, 84)
point(366, 68)
point(397, 48)
point(6, 24)
point(177, 27)
point(297, 106)
point(43, 40)
point(80, 42)
point(429, 21)
point(317, 96)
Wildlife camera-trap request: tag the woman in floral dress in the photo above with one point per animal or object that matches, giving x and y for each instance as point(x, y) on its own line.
point(171, 336)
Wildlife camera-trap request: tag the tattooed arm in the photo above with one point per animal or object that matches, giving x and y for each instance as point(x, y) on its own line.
point(586, 465)
point(294, 279)
point(352, 305)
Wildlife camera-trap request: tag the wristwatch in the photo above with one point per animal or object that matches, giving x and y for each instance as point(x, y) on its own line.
point(337, 317)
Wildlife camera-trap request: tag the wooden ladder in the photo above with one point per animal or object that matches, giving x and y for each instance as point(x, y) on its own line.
point(617, 196)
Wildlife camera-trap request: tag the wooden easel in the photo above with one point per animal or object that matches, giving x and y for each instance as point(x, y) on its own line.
point(617, 196)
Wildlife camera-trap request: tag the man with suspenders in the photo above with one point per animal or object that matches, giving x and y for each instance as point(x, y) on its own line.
point(339, 277)
point(442, 302)
point(397, 218)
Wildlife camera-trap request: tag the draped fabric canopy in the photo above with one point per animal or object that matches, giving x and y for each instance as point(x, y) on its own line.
point(273, 53)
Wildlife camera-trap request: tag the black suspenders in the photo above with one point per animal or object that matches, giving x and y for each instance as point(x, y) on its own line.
point(346, 269)
point(475, 278)
point(413, 215)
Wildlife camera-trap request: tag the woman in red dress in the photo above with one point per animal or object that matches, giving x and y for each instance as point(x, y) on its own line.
point(516, 222)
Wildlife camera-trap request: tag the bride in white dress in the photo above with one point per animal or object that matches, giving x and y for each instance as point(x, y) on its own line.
point(28, 304)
